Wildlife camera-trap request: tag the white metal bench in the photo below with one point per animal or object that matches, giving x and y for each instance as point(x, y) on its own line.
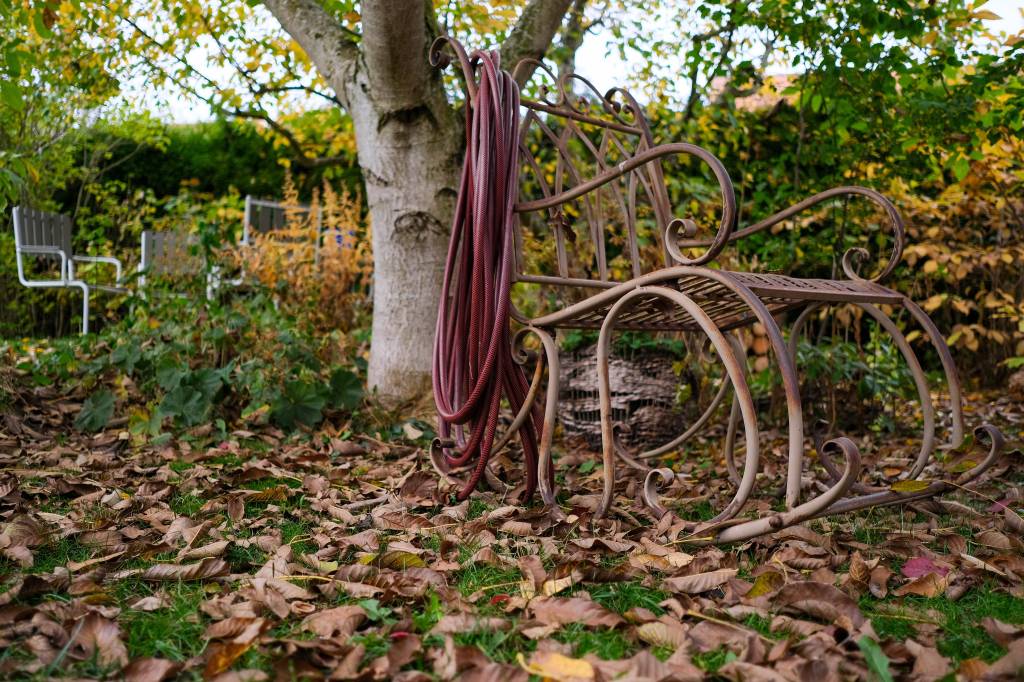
point(173, 254)
point(263, 217)
point(47, 236)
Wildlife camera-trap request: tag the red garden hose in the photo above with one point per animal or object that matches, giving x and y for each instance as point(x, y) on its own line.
point(473, 367)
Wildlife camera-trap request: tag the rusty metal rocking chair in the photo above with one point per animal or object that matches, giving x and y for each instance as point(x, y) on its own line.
point(590, 161)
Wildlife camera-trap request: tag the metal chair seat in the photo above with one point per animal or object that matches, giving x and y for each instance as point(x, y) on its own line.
point(720, 301)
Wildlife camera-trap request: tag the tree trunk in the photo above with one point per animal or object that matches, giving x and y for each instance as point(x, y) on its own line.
point(409, 140)
point(410, 158)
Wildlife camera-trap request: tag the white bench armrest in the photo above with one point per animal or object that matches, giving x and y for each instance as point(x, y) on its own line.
point(110, 260)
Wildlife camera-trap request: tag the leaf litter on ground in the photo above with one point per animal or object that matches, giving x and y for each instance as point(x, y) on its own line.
point(327, 554)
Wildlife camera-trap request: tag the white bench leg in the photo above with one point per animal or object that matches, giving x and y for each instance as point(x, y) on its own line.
point(85, 304)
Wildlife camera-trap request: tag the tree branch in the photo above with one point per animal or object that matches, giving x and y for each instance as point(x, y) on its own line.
point(323, 38)
point(532, 34)
point(395, 45)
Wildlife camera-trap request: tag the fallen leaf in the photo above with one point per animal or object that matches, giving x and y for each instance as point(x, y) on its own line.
point(562, 610)
point(912, 486)
point(100, 637)
point(341, 621)
point(920, 566)
point(148, 669)
point(207, 568)
point(821, 601)
point(699, 582)
point(552, 665)
point(928, 585)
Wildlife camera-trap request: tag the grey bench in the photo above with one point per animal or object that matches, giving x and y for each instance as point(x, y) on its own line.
point(174, 254)
point(47, 236)
point(263, 217)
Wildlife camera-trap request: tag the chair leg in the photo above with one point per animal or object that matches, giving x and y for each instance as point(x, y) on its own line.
point(545, 467)
point(85, 305)
point(920, 383)
point(949, 367)
point(733, 367)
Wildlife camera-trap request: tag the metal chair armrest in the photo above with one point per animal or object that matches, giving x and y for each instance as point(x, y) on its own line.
point(110, 260)
point(65, 276)
point(851, 257)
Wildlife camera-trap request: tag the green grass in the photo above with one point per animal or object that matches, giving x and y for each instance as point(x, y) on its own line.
point(763, 626)
point(701, 511)
point(476, 508)
point(621, 597)
point(499, 645)
point(606, 643)
point(59, 553)
point(179, 465)
point(962, 637)
point(186, 504)
point(292, 529)
point(175, 632)
point(711, 661)
point(490, 579)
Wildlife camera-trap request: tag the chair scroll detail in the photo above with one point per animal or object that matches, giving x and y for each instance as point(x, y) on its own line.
point(592, 181)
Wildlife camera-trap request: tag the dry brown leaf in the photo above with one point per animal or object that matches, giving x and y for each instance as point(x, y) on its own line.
point(100, 637)
point(562, 610)
point(929, 585)
point(929, 664)
point(556, 667)
point(214, 549)
point(220, 656)
point(79, 565)
point(147, 669)
point(454, 623)
point(341, 621)
point(821, 601)
point(207, 568)
point(1011, 665)
point(660, 633)
point(699, 582)
point(878, 583)
point(765, 583)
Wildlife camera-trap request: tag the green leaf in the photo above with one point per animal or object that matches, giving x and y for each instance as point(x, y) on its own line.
point(299, 403)
point(961, 167)
point(39, 21)
point(11, 96)
point(126, 356)
point(186, 404)
point(878, 662)
point(96, 411)
point(346, 390)
point(169, 374)
point(374, 611)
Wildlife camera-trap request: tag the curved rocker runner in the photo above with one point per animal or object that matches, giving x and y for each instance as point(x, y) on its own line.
point(588, 174)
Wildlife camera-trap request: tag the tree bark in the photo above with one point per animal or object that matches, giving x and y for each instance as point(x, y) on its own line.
point(410, 151)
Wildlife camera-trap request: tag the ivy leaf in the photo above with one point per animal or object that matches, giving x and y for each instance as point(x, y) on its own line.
point(96, 411)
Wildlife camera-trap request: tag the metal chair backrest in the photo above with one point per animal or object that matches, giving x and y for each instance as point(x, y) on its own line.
point(584, 222)
point(35, 228)
point(262, 216)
